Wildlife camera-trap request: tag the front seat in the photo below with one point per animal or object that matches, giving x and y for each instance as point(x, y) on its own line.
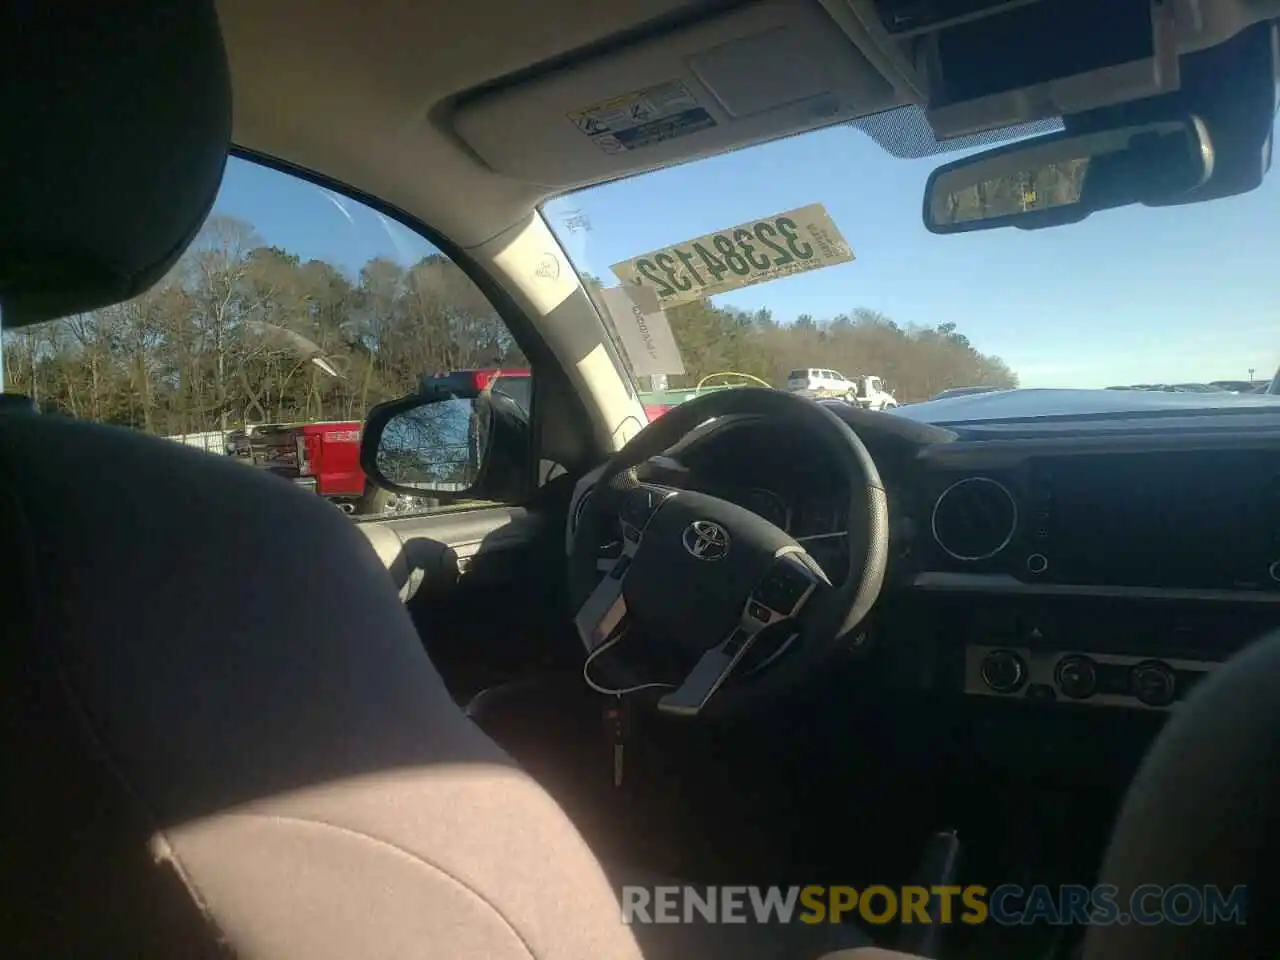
point(220, 734)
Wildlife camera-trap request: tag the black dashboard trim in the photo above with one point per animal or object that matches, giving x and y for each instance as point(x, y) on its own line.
point(1005, 585)
point(993, 454)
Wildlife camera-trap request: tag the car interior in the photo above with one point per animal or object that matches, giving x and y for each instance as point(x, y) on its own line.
point(913, 661)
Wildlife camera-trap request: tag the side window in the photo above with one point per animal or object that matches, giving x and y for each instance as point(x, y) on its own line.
point(294, 312)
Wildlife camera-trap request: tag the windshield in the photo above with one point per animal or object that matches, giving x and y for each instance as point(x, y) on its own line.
point(1164, 298)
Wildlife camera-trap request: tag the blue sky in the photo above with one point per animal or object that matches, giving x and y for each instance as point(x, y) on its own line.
point(1129, 296)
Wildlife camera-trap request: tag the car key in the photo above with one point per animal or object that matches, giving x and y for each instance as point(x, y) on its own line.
point(616, 717)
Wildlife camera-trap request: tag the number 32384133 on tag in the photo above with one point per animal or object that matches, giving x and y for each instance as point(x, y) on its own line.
point(754, 252)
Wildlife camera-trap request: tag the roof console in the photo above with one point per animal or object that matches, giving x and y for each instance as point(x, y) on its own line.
point(981, 65)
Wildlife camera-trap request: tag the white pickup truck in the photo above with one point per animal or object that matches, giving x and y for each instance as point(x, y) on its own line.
point(863, 390)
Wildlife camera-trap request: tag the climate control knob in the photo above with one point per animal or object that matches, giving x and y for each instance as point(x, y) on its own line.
point(1004, 671)
point(1154, 683)
point(1076, 677)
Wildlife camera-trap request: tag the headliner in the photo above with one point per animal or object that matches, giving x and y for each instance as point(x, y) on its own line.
point(364, 94)
point(353, 91)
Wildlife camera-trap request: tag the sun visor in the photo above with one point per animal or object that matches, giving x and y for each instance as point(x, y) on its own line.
point(750, 74)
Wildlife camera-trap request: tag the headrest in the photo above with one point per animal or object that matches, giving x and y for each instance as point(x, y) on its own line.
point(117, 121)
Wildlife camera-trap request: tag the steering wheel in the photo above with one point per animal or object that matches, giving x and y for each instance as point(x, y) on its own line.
point(718, 586)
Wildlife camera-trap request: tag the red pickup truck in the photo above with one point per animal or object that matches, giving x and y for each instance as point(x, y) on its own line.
point(323, 457)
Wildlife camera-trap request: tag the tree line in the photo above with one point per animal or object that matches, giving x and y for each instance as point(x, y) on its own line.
point(915, 362)
point(243, 332)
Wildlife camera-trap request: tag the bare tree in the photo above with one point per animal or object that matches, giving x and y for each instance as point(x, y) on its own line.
point(235, 330)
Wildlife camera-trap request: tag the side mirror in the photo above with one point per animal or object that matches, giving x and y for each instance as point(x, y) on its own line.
point(1064, 177)
point(426, 445)
point(454, 443)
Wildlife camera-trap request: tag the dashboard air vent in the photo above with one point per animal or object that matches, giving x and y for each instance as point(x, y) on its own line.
point(974, 519)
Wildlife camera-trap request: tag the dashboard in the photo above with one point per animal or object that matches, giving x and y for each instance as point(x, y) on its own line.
point(1162, 520)
point(1089, 568)
point(1116, 572)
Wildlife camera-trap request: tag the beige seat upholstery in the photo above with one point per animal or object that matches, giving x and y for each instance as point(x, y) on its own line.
point(220, 733)
point(262, 719)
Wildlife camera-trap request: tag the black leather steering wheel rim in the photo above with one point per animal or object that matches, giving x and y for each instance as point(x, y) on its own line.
point(832, 620)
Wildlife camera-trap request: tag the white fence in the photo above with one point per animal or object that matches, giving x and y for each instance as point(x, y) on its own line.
point(211, 441)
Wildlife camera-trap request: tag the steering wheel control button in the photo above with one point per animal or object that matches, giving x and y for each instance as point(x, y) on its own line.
point(758, 611)
point(1037, 564)
point(1003, 671)
point(783, 587)
point(1154, 684)
point(1076, 676)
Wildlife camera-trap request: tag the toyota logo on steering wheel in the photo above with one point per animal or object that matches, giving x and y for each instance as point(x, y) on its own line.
point(706, 540)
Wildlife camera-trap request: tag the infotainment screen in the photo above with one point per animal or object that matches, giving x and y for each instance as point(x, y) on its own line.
point(1194, 519)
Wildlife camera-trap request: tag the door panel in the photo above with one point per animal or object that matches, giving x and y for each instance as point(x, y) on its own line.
point(485, 588)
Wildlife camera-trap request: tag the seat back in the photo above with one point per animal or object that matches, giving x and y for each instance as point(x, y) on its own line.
point(189, 766)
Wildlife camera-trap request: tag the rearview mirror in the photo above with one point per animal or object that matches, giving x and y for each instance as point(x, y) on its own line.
point(1064, 177)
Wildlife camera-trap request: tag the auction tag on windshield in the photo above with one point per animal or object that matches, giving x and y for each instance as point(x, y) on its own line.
point(753, 252)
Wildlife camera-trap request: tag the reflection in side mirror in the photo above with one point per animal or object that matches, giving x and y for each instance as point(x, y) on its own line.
point(1064, 177)
point(427, 445)
point(437, 446)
